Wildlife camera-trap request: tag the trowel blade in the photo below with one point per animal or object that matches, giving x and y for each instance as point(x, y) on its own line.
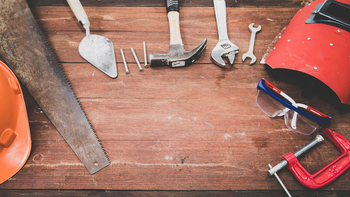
point(99, 51)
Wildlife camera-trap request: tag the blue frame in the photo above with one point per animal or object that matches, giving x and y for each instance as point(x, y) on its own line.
point(319, 120)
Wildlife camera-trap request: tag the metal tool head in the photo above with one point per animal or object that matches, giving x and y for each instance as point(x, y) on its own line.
point(99, 51)
point(177, 56)
point(251, 56)
point(224, 49)
point(252, 28)
point(250, 53)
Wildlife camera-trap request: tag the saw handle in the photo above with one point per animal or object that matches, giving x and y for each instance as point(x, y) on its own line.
point(172, 5)
point(79, 12)
point(327, 174)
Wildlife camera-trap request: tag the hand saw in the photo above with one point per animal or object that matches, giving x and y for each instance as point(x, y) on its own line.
point(27, 53)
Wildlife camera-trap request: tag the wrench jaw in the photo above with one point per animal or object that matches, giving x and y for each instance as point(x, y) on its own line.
point(250, 53)
point(221, 60)
point(224, 51)
point(231, 57)
point(252, 28)
point(251, 56)
point(216, 56)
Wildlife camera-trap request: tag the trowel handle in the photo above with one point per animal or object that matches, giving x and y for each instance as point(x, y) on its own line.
point(79, 12)
point(327, 174)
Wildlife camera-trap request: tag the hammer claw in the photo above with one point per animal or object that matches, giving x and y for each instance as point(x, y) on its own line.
point(177, 56)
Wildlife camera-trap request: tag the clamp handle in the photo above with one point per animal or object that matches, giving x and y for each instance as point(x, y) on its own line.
point(327, 174)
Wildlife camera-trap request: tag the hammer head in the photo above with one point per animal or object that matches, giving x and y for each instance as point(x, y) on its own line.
point(177, 56)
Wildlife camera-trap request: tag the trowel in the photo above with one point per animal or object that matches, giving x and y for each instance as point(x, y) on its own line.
point(97, 50)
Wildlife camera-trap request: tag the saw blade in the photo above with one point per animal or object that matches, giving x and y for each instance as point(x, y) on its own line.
point(27, 53)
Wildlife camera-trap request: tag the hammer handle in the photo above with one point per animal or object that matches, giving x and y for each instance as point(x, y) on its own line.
point(172, 5)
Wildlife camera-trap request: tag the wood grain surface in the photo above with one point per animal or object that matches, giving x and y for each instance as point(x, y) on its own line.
point(193, 128)
point(182, 3)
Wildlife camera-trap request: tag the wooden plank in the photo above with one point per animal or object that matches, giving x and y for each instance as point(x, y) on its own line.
point(109, 193)
point(185, 3)
point(152, 165)
point(126, 27)
point(131, 19)
point(175, 140)
point(194, 128)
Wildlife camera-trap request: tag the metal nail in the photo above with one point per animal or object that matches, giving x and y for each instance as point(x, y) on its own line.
point(137, 61)
point(145, 54)
point(125, 65)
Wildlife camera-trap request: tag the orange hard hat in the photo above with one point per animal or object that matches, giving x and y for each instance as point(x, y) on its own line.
point(15, 140)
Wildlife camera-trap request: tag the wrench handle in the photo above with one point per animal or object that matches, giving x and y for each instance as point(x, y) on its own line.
point(220, 15)
point(252, 42)
point(172, 5)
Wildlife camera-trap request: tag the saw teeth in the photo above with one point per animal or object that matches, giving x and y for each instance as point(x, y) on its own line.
point(55, 70)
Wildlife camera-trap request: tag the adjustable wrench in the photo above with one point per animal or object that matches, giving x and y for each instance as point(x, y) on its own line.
point(250, 53)
point(224, 48)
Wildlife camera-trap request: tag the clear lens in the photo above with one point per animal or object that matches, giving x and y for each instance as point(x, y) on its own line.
point(300, 123)
point(268, 105)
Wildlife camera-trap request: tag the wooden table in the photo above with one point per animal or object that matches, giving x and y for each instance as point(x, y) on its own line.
point(174, 132)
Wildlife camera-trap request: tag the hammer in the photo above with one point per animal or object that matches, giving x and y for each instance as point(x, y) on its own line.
point(177, 56)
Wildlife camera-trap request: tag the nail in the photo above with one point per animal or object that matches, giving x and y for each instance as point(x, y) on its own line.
point(145, 54)
point(137, 61)
point(125, 65)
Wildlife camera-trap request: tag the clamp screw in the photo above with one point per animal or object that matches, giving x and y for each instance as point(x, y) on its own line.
point(280, 181)
point(284, 163)
point(273, 170)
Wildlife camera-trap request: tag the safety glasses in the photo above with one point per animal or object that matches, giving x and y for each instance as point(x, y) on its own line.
point(297, 117)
